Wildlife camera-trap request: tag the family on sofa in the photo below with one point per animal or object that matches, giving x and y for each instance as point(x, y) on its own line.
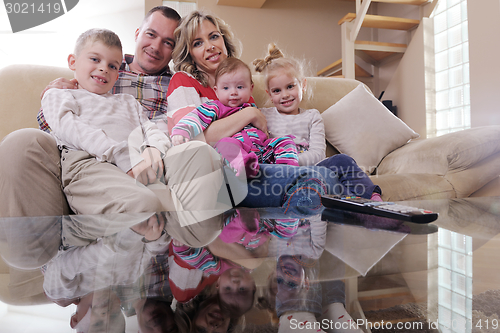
point(91, 126)
point(106, 139)
point(455, 165)
point(98, 160)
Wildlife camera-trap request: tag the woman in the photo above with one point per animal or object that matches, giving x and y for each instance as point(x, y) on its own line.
point(203, 42)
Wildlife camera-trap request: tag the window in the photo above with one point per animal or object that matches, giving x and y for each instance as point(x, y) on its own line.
point(454, 282)
point(451, 111)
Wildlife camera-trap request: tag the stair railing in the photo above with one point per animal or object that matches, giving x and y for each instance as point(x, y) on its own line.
point(360, 16)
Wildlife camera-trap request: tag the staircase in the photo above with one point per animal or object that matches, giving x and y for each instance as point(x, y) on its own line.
point(372, 52)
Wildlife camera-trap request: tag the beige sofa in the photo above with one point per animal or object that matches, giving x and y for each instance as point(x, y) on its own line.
point(461, 164)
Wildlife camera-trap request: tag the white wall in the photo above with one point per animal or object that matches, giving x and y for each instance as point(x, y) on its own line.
point(408, 93)
point(303, 29)
point(50, 43)
point(387, 70)
point(484, 51)
point(407, 86)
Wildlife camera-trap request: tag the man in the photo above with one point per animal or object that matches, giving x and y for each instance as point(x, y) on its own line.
point(30, 166)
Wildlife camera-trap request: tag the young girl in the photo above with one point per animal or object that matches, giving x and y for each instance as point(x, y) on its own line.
point(250, 146)
point(294, 294)
point(286, 85)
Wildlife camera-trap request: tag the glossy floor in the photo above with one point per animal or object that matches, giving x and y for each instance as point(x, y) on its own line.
point(384, 263)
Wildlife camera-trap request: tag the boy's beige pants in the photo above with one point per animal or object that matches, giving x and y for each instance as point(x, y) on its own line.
point(33, 184)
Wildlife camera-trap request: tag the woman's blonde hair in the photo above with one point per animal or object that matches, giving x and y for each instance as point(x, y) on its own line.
point(184, 36)
point(275, 61)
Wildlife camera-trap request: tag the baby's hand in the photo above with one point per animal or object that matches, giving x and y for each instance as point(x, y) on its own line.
point(178, 139)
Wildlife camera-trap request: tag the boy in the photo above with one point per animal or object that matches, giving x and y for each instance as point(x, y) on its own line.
point(92, 126)
point(250, 146)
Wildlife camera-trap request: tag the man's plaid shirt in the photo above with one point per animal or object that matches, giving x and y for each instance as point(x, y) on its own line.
point(149, 90)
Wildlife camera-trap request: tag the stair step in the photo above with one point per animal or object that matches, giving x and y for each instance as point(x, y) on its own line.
point(335, 69)
point(379, 50)
point(403, 2)
point(383, 22)
point(370, 45)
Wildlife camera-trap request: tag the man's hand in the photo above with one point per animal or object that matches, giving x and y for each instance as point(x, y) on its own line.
point(150, 229)
point(61, 83)
point(178, 139)
point(150, 169)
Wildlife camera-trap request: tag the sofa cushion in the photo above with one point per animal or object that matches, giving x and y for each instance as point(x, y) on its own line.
point(359, 125)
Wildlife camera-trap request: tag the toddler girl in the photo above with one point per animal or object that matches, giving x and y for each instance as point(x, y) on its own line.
point(286, 84)
point(247, 148)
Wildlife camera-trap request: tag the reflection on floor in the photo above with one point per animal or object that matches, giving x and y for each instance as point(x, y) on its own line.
point(406, 288)
point(399, 294)
point(41, 319)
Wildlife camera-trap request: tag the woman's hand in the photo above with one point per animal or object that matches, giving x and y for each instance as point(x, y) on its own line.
point(150, 169)
point(259, 120)
point(227, 127)
point(61, 83)
point(178, 139)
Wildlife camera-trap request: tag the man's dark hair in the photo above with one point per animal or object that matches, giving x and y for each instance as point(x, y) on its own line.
point(168, 12)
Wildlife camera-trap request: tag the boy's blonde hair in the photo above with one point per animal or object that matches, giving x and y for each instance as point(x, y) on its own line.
point(105, 36)
point(230, 65)
point(186, 32)
point(275, 61)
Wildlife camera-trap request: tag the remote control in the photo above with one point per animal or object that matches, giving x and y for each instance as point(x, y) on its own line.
point(385, 209)
point(339, 216)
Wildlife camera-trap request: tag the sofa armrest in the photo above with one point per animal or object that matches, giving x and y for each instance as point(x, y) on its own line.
point(441, 155)
point(467, 159)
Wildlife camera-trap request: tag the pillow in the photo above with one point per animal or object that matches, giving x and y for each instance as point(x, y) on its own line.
point(360, 126)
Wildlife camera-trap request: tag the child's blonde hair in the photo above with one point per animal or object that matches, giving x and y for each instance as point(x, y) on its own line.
point(275, 61)
point(307, 287)
point(105, 36)
point(230, 65)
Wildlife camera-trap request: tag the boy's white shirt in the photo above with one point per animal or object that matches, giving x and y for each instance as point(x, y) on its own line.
point(118, 259)
point(113, 128)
